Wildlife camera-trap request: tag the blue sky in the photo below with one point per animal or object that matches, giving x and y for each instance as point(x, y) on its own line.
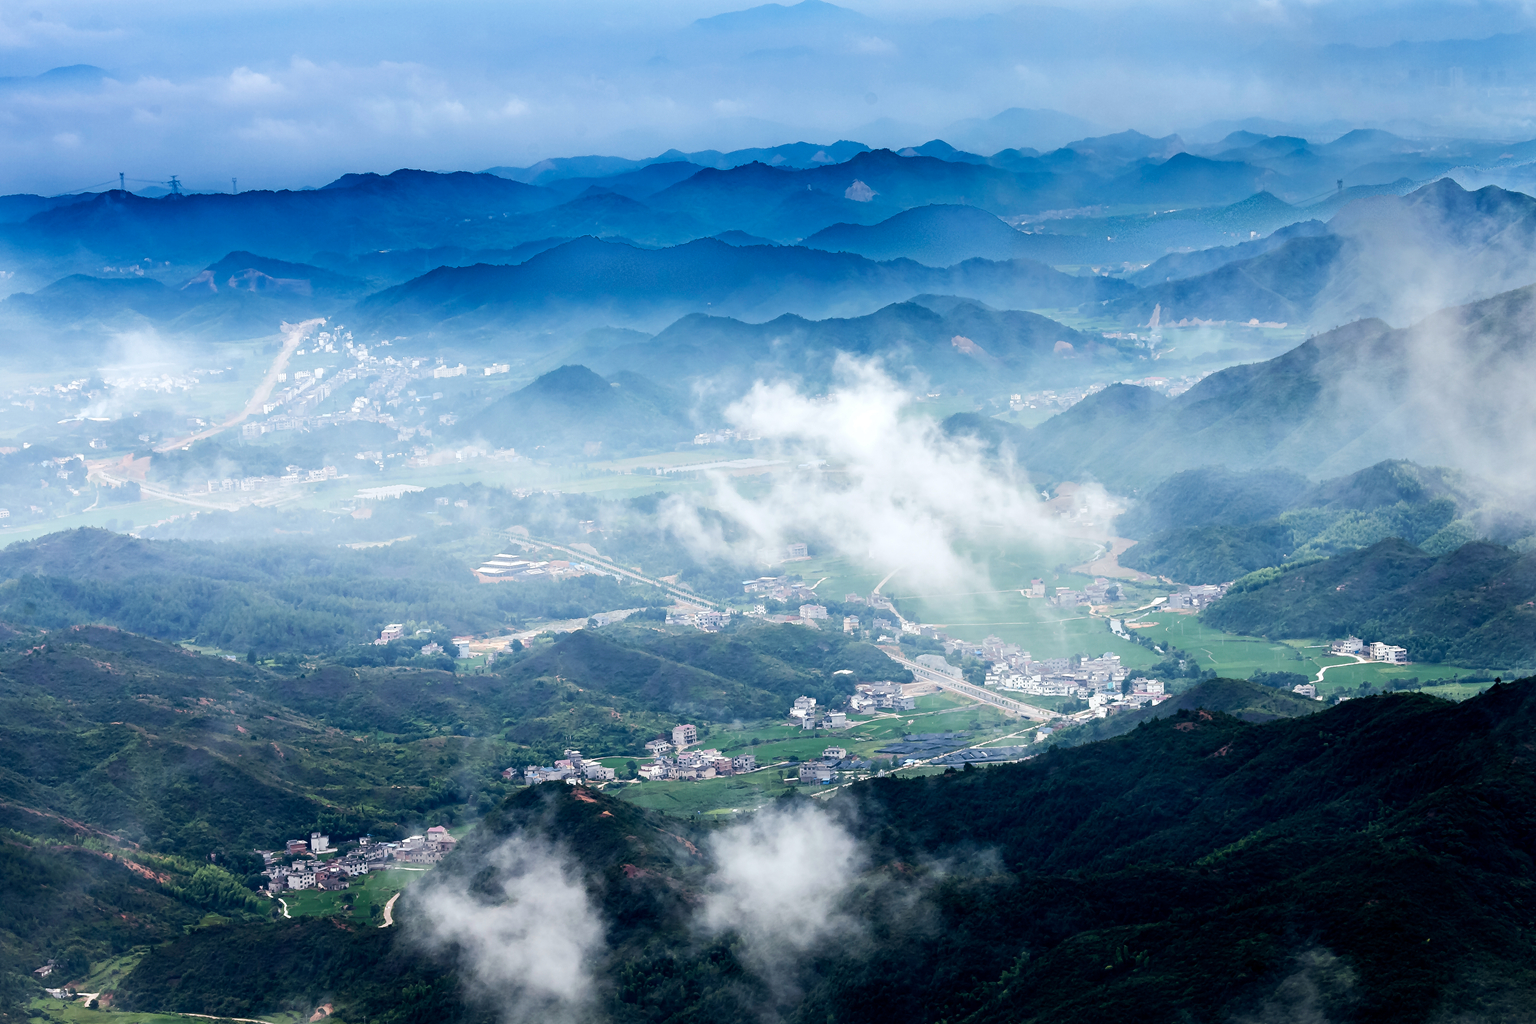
point(283, 94)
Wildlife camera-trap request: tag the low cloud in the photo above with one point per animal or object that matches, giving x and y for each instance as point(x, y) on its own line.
point(779, 881)
point(525, 938)
point(877, 480)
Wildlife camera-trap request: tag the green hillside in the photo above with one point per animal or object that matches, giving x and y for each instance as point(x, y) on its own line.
point(186, 753)
point(1296, 412)
point(1366, 863)
point(274, 597)
point(573, 409)
point(1469, 606)
point(1240, 698)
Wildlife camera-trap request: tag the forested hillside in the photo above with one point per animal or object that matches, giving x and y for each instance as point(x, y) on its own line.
point(1212, 525)
point(1470, 606)
point(1368, 863)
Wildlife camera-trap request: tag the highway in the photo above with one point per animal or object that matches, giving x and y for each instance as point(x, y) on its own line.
point(986, 696)
point(607, 565)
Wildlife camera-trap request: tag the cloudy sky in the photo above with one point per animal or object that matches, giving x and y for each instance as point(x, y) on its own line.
point(286, 94)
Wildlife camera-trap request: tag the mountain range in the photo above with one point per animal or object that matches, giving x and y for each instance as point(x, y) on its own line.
point(1397, 258)
point(1436, 393)
point(590, 281)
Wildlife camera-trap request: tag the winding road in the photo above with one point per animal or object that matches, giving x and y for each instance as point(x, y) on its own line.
point(389, 911)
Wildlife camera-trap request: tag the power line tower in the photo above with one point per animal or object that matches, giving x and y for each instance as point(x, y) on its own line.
point(122, 185)
point(175, 184)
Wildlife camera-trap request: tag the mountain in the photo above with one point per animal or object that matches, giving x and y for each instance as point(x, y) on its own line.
point(1211, 525)
point(960, 343)
point(357, 211)
point(573, 409)
point(1438, 395)
point(939, 236)
point(1018, 128)
point(1178, 265)
point(597, 169)
point(588, 281)
point(1398, 258)
point(1187, 179)
point(1475, 605)
point(748, 197)
point(1199, 867)
point(242, 294)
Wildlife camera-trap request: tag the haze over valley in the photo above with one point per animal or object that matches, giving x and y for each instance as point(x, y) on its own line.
point(797, 513)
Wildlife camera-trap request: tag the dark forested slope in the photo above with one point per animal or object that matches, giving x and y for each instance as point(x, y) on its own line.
point(1369, 863)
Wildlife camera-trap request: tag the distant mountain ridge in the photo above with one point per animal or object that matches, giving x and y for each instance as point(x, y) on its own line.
point(1437, 394)
point(960, 343)
point(605, 282)
point(1398, 258)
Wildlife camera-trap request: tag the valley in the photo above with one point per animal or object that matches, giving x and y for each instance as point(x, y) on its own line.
point(709, 580)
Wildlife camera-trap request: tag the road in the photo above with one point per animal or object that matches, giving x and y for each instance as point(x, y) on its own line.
point(608, 566)
point(389, 911)
point(1018, 707)
point(293, 337)
point(1324, 669)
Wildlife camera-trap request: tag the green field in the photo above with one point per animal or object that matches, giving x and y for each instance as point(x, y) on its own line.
point(1235, 657)
point(1349, 678)
point(1239, 657)
point(709, 796)
point(362, 896)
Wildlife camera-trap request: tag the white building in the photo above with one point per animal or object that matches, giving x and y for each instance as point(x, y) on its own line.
point(682, 735)
point(1389, 654)
point(1349, 645)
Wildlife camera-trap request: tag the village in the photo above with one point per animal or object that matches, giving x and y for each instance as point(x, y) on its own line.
point(310, 868)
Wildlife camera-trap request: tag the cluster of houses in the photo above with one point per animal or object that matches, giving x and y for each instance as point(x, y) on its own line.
point(778, 588)
point(823, 771)
point(707, 619)
point(309, 870)
point(691, 764)
point(1382, 652)
point(1196, 598)
point(572, 768)
point(1100, 591)
point(695, 764)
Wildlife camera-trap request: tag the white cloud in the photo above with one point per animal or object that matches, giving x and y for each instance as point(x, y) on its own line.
point(528, 944)
point(779, 879)
point(894, 490)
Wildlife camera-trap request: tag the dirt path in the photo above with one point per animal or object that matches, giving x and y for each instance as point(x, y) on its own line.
point(389, 911)
point(1323, 670)
point(284, 904)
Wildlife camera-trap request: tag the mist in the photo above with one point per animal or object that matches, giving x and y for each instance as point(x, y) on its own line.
point(215, 96)
point(525, 938)
point(875, 478)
